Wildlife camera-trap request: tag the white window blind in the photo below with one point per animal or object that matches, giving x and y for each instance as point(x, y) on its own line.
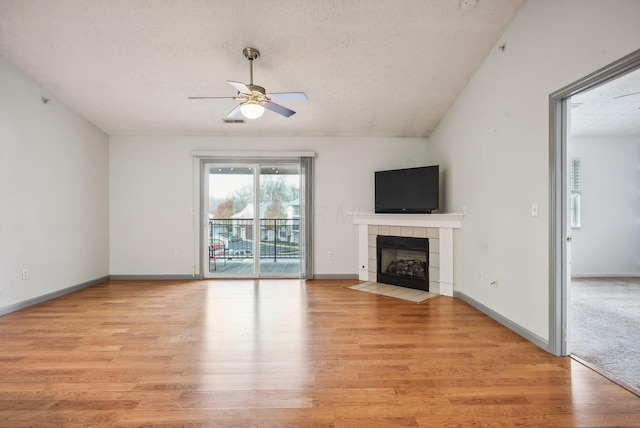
point(575, 178)
point(576, 175)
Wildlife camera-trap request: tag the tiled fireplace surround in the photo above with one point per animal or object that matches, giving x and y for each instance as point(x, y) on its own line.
point(438, 228)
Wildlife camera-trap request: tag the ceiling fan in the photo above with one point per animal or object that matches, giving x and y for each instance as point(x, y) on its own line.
point(253, 98)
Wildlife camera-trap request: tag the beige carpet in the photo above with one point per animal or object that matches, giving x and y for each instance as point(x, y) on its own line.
point(605, 326)
point(403, 293)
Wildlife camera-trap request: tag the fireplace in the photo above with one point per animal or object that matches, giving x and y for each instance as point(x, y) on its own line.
point(403, 261)
point(438, 228)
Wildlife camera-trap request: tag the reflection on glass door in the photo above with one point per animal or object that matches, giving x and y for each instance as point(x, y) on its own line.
point(230, 219)
point(279, 220)
point(252, 217)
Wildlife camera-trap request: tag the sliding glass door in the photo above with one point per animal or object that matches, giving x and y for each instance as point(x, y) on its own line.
point(254, 219)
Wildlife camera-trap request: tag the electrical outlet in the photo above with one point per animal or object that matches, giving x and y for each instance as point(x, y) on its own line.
point(176, 255)
point(25, 273)
point(330, 255)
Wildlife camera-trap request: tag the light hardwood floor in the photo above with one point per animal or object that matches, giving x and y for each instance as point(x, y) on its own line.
point(284, 353)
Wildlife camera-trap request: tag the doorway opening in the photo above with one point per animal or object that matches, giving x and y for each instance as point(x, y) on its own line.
point(603, 143)
point(564, 204)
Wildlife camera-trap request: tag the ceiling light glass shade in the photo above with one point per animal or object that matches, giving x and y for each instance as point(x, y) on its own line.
point(251, 110)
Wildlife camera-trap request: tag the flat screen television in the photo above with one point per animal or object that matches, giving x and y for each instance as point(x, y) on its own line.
point(409, 190)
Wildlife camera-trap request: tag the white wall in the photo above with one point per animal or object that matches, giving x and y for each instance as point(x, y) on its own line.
point(494, 142)
point(152, 191)
point(53, 193)
point(608, 241)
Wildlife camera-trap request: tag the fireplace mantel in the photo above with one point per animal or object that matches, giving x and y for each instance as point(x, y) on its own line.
point(448, 220)
point(438, 227)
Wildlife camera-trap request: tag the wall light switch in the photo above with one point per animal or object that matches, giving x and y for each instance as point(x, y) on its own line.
point(534, 210)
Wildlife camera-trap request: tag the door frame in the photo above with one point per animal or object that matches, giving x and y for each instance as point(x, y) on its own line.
point(203, 157)
point(558, 191)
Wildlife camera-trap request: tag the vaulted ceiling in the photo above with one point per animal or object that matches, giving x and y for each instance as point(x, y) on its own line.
point(369, 67)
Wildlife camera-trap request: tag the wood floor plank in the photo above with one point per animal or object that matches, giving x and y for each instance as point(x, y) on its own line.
point(284, 353)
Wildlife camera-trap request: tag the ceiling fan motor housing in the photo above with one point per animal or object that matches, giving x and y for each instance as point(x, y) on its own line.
point(256, 88)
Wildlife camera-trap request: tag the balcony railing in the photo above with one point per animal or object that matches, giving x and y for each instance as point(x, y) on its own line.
point(234, 238)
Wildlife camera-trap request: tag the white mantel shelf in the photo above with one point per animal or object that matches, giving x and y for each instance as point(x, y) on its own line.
point(447, 220)
point(445, 223)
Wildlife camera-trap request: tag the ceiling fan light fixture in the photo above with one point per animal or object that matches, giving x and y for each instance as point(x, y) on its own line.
point(251, 110)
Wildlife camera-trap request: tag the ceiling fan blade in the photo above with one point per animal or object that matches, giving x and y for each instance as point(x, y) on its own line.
point(277, 108)
point(626, 95)
point(241, 87)
point(235, 113)
point(213, 98)
point(288, 96)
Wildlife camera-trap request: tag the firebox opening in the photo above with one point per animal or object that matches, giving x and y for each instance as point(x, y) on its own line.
point(403, 261)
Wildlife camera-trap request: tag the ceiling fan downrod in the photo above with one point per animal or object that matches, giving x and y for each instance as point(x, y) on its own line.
point(251, 54)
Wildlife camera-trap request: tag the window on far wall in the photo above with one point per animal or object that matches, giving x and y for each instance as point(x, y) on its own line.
point(575, 179)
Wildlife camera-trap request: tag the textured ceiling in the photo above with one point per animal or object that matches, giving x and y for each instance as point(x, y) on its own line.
point(369, 67)
point(611, 109)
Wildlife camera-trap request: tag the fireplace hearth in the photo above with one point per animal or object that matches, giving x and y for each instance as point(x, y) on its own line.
point(403, 261)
